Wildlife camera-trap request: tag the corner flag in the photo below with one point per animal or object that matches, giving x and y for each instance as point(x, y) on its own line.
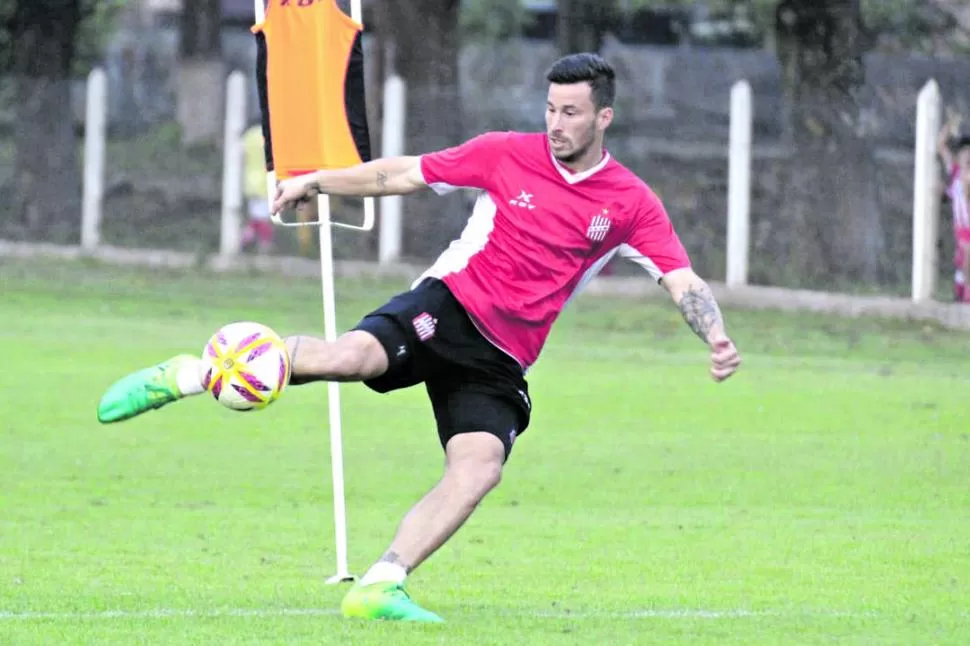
point(310, 79)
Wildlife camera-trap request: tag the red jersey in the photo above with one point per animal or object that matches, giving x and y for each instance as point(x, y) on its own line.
point(539, 233)
point(956, 191)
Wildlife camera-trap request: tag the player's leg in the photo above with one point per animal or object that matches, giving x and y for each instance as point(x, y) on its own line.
point(380, 350)
point(474, 467)
point(355, 356)
point(477, 431)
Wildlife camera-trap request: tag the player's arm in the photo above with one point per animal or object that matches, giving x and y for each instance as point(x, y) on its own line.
point(948, 130)
point(653, 244)
point(696, 302)
point(386, 176)
point(470, 164)
point(702, 314)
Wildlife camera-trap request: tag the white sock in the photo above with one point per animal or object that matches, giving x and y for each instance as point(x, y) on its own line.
point(189, 378)
point(384, 571)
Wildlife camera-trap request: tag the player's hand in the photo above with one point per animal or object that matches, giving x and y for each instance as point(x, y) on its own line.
point(294, 191)
point(725, 359)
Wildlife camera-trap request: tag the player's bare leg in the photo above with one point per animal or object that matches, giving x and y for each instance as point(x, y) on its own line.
point(355, 356)
point(473, 467)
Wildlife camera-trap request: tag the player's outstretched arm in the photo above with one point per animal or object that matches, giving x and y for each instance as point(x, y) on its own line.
point(700, 310)
point(386, 176)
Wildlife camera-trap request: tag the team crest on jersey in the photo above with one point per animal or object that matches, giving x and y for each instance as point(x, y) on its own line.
point(424, 325)
point(599, 227)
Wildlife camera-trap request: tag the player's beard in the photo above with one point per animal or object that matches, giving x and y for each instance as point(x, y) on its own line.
point(577, 153)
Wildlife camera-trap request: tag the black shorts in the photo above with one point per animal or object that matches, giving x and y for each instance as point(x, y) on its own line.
point(473, 386)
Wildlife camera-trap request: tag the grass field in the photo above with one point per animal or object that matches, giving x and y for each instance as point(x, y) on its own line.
point(820, 496)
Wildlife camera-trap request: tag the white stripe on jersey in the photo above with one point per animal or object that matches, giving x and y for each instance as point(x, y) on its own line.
point(472, 240)
point(961, 206)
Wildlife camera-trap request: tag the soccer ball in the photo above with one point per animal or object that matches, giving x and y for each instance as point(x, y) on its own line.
point(245, 366)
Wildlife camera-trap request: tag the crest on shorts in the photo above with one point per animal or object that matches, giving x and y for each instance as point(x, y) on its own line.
point(424, 325)
point(599, 226)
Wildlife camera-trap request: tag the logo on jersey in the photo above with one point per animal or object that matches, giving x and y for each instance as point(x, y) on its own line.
point(599, 227)
point(424, 325)
point(524, 201)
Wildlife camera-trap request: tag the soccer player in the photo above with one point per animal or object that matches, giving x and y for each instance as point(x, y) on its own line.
point(554, 208)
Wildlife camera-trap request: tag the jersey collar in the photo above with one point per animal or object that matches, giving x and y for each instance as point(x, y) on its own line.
point(575, 178)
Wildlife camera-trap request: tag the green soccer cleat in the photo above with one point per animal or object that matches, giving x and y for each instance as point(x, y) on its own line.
point(142, 391)
point(384, 600)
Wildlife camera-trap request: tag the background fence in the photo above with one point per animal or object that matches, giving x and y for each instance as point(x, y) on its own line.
point(673, 128)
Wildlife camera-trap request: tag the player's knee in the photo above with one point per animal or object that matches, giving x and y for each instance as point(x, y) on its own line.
point(478, 469)
point(473, 481)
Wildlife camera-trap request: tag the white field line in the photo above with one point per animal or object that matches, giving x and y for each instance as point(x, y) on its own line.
point(165, 613)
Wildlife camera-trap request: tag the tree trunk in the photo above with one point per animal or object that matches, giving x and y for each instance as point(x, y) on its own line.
point(830, 225)
point(425, 50)
point(581, 24)
point(201, 72)
point(47, 185)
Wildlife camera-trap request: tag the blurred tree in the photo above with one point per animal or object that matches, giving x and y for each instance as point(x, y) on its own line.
point(493, 19)
point(201, 72)
point(830, 214)
point(423, 38)
point(45, 44)
point(581, 24)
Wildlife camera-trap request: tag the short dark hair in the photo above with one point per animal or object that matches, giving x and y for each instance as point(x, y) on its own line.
point(588, 67)
point(962, 142)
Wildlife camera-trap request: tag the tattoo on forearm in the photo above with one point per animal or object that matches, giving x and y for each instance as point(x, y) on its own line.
point(391, 556)
point(381, 179)
point(313, 190)
point(296, 346)
point(700, 310)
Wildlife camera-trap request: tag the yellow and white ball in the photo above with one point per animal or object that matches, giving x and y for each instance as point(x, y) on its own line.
point(245, 366)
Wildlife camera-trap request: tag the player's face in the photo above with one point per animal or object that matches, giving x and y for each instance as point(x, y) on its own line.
point(573, 123)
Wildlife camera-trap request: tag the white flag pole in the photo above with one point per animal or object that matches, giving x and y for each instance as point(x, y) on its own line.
point(324, 223)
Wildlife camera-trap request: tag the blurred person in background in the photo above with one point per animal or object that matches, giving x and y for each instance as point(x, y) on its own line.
point(956, 161)
point(259, 228)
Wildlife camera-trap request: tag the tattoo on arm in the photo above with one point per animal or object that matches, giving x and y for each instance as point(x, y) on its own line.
point(382, 180)
point(313, 190)
point(391, 556)
point(296, 346)
point(700, 310)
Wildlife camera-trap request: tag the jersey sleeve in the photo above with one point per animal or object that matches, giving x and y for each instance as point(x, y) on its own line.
point(652, 241)
point(468, 165)
point(953, 173)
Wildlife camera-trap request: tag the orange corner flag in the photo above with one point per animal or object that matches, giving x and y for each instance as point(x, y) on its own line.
point(310, 78)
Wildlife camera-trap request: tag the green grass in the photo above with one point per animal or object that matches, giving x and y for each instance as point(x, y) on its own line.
point(820, 496)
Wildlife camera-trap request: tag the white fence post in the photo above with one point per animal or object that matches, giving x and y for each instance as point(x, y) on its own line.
point(230, 235)
point(391, 231)
point(739, 185)
point(926, 196)
point(95, 132)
